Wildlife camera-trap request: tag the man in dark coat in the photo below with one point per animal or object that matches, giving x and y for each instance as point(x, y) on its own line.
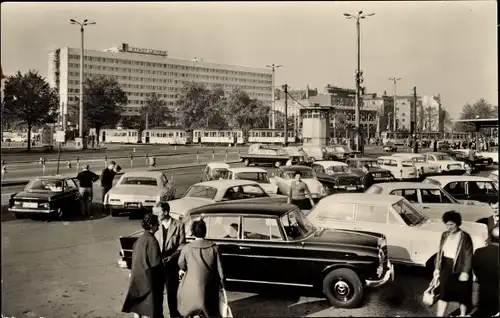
point(107, 177)
point(493, 220)
point(171, 237)
point(368, 178)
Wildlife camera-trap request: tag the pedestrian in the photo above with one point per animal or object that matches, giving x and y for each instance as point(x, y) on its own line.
point(171, 237)
point(299, 194)
point(145, 292)
point(201, 275)
point(493, 220)
point(434, 145)
point(368, 177)
point(107, 177)
point(485, 265)
point(453, 266)
point(86, 178)
point(4, 170)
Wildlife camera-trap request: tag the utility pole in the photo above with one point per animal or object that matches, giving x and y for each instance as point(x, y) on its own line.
point(285, 88)
point(147, 119)
point(273, 102)
point(413, 124)
point(394, 80)
point(440, 125)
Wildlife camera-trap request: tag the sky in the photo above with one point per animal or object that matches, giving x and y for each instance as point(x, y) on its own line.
point(447, 48)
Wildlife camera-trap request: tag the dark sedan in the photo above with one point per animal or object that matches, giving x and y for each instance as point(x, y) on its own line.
point(379, 174)
point(50, 195)
point(337, 177)
point(275, 245)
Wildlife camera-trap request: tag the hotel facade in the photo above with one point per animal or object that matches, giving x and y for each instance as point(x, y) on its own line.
point(140, 72)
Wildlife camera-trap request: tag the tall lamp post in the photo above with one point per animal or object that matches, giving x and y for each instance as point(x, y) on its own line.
point(394, 80)
point(358, 17)
point(273, 108)
point(80, 117)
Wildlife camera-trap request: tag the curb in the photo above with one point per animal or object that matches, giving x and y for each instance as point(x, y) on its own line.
point(23, 182)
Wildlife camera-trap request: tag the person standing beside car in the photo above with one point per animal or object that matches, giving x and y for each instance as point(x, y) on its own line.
point(368, 178)
point(299, 194)
point(107, 177)
point(86, 180)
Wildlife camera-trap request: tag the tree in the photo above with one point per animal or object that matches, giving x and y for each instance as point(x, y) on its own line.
point(480, 109)
point(445, 120)
point(280, 119)
point(102, 103)
point(157, 110)
point(246, 113)
point(29, 100)
point(132, 122)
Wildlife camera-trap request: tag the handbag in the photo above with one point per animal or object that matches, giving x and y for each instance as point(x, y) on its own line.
point(431, 294)
point(225, 310)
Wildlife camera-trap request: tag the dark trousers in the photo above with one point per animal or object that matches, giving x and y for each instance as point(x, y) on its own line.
point(104, 191)
point(172, 286)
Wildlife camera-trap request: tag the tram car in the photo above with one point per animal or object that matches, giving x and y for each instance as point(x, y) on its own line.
point(269, 136)
point(122, 136)
point(218, 137)
point(167, 136)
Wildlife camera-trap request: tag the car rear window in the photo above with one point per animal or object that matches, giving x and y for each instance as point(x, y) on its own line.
point(140, 181)
point(374, 189)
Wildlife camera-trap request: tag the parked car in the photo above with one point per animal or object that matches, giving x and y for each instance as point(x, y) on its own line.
point(265, 245)
point(208, 192)
point(49, 195)
point(285, 176)
point(338, 153)
point(400, 168)
point(389, 147)
point(379, 174)
point(336, 176)
point(493, 155)
point(467, 187)
point(479, 161)
point(258, 175)
point(462, 156)
point(136, 192)
point(422, 166)
point(433, 201)
point(412, 237)
point(214, 171)
point(445, 164)
point(494, 176)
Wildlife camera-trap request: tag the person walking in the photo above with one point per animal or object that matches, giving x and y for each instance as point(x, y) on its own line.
point(107, 177)
point(368, 178)
point(145, 293)
point(453, 266)
point(299, 193)
point(86, 178)
point(171, 237)
point(201, 275)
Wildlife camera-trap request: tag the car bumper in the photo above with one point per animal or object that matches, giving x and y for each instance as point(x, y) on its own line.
point(31, 211)
point(121, 208)
point(389, 276)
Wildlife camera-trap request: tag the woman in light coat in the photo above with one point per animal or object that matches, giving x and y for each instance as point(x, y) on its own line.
point(201, 275)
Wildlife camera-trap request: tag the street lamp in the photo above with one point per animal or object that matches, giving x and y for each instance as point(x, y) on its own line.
point(80, 121)
point(358, 17)
point(273, 108)
point(394, 80)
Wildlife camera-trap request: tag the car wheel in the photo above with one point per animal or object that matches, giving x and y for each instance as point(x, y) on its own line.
point(277, 164)
point(60, 213)
point(113, 213)
point(19, 215)
point(246, 162)
point(343, 288)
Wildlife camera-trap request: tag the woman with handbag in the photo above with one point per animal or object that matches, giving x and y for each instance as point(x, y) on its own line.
point(201, 276)
point(453, 266)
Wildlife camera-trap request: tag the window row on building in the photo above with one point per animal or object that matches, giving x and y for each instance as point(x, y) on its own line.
point(164, 65)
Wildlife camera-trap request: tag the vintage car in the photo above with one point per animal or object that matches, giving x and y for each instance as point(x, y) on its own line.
point(208, 192)
point(467, 187)
point(263, 245)
point(49, 195)
point(400, 168)
point(492, 155)
point(476, 164)
point(214, 171)
point(137, 192)
point(338, 153)
point(285, 176)
point(379, 175)
point(445, 164)
point(479, 161)
point(259, 154)
point(389, 147)
point(423, 167)
point(412, 237)
point(258, 175)
point(337, 176)
point(494, 176)
point(433, 201)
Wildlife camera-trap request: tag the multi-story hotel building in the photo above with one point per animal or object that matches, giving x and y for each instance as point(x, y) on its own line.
point(140, 72)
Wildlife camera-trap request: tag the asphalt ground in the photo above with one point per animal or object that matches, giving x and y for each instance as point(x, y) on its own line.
point(69, 269)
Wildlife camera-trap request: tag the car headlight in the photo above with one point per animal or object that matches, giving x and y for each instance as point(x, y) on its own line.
point(43, 205)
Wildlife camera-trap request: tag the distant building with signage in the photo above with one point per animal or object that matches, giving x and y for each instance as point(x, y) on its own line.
point(140, 71)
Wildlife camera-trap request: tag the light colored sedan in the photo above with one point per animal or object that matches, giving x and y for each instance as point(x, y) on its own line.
point(445, 164)
point(258, 175)
point(285, 176)
point(208, 192)
point(432, 201)
point(137, 191)
point(412, 238)
point(423, 167)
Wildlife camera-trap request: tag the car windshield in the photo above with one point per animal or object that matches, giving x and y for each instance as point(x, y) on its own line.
point(260, 177)
point(140, 181)
point(305, 174)
point(337, 169)
point(370, 163)
point(418, 159)
point(408, 213)
point(201, 191)
point(444, 157)
point(220, 173)
point(338, 149)
point(296, 225)
point(53, 185)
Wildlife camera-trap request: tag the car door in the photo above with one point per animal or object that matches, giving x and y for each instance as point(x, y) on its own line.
point(457, 189)
point(482, 191)
point(409, 194)
point(73, 192)
point(435, 203)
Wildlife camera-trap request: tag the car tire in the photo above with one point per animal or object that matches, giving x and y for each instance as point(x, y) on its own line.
point(59, 214)
point(113, 213)
point(343, 288)
point(277, 164)
point(246, 162)
point(19, 216)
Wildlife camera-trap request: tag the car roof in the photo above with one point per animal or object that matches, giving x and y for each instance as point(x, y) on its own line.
point(226, 183)
point(441, 179)
point(391, 157)
point(330, 163)
point(362, 159)
point(437, 153)
point(56, 177)
point(218, 165)
point(366, 198)
point(406, 154)
point(247, 169)
point(405, 185)
point(256, 208)
point(143, 173)
point(295, 168)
